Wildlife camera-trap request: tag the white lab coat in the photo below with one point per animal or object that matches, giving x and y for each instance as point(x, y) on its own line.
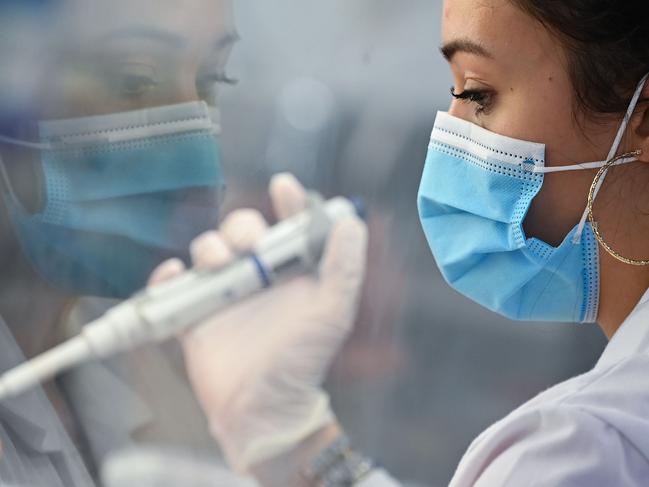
point(589, 431)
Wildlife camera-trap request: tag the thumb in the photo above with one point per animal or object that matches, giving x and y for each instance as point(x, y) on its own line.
point(342, 269)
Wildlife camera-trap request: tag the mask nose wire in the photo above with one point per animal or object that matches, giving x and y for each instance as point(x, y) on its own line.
point(612, 153)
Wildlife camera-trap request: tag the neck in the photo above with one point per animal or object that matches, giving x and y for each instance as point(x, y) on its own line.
point(621, 287)
point(31, 311)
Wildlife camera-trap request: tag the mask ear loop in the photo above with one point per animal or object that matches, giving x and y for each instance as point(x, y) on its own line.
point(24, 143)
point(611, 155)
point(4, 179)
point(594, 187)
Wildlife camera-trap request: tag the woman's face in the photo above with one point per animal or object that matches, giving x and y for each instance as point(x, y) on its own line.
point(120, 55)
point(521, 72)
point(128, 54)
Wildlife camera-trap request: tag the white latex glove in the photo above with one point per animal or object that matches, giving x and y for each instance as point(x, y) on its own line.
point(257, 368)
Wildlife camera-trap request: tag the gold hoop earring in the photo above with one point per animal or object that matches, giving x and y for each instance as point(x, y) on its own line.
point(591, 198)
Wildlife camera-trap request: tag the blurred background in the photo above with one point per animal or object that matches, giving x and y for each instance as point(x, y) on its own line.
point(344, 94)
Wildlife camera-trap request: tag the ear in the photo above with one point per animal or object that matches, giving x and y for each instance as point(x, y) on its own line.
point(640, 125)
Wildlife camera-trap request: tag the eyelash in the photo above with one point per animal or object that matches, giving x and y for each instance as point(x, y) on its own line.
point(482, 98)
point(134, 85)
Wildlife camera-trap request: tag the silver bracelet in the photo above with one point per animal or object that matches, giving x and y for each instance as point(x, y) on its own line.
point(337, 466)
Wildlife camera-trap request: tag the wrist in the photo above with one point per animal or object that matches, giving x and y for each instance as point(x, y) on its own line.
point(260, 433)
point(288, 468)
point(338, 465)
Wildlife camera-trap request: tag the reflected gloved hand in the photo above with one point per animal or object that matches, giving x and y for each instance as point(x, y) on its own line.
point(257, 368)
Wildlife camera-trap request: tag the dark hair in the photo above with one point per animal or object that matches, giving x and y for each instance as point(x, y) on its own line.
point(607, 46)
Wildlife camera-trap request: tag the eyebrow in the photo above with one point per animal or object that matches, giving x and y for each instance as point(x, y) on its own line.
point(165, 37)
point(450, 49)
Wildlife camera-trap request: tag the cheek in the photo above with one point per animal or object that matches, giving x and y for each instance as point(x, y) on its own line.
point(536, 112)
point(180, 87)
point(72, 94)
point(559, 205)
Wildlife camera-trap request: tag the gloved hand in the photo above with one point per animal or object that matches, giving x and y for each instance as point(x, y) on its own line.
point(257, 368)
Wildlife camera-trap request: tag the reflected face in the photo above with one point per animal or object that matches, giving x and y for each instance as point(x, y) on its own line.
point(516, 74)
point(113, 56)
point(128, 54)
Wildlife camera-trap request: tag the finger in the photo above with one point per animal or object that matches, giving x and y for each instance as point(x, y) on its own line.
point(288, 195)
point(168, 269)
point(210, 250)
point(342, 269)
point(242, 229)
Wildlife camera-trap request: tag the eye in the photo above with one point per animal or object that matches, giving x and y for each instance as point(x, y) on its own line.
point(134, 80)
point(134, 85)
point(482, 98)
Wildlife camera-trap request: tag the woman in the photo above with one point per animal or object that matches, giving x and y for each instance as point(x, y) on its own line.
point(109, 165)
point(532, 201)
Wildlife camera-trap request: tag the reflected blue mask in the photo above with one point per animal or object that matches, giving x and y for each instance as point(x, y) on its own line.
point(476, 189)
point(123, 192)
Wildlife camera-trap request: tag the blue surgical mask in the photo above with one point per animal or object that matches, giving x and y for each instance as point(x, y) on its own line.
point(476, 189)
point(123, 192)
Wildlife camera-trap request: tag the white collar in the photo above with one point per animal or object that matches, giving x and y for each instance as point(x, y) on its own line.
point(631, 338)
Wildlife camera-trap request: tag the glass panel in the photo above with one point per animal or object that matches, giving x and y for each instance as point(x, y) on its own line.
point(124, 137)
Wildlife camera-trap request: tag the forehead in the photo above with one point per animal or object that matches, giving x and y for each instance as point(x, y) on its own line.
point(198, 21)
point(500, 27)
